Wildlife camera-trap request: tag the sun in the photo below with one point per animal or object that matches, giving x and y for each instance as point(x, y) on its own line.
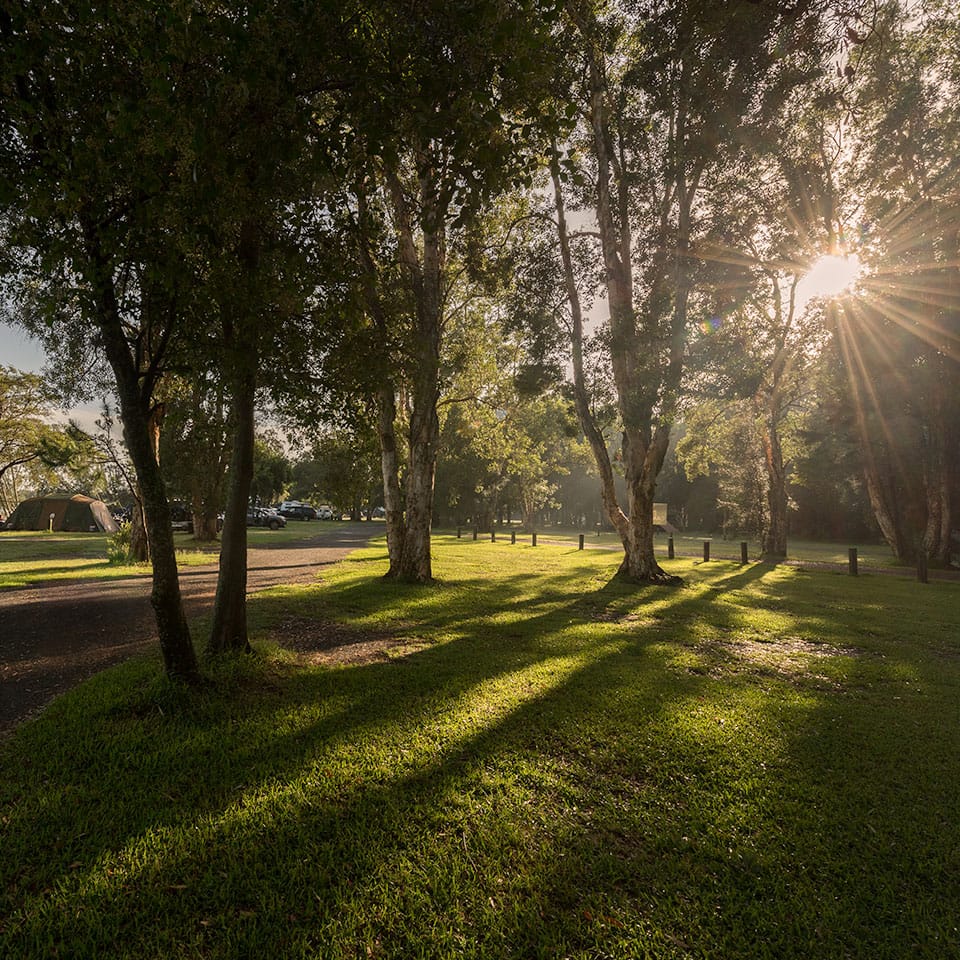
point(829, 276)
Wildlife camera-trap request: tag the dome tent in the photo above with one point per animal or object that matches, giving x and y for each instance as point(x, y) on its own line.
point(69, 513)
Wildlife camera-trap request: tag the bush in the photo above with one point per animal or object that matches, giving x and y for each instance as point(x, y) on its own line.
point(118, 546)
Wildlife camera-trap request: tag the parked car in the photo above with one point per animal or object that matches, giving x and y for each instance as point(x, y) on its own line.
point(325, 512)
point(260, 517)
point(298, 511)
point(181, 519)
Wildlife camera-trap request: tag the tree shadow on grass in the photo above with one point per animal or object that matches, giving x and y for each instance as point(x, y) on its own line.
point(371, 699)
point(489, 796)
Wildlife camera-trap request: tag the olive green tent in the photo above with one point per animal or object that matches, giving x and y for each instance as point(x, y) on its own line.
point(78, 513)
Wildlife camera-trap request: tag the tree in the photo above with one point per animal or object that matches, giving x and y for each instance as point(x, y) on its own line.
point(195, 448)
point(903, 330)
point(26, 436)
point(438, 134)
point(671, 95)
point(95, 193)
point(272, 470)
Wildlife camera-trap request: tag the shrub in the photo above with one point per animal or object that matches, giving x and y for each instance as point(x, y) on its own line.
point(118, 546)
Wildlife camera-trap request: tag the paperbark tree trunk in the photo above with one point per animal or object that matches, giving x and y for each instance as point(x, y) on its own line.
point(643, 444)
point(424, 269)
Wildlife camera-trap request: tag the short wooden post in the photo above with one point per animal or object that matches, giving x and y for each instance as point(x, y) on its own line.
point(493, 535)
point(743, 551)
point(852, 560)
point(513, 536)
point(458, 533)
point(706, 550)
point(670, 547)
point(581, 541)
point(922, 574)
point(533, 539)
point(474, 533)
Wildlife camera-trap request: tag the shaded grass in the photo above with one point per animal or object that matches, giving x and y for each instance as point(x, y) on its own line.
point(540, 763)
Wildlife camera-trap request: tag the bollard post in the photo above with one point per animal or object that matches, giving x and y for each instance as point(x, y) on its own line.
point(922, 575)
point(670, 547)
point(458, 533)
point(513, 536)
point(852, 558)
point(474, 533)
point(743, 551)
point(581, 541)
point(493, 535)
point(53, 516)
point(533, 540)
point(706, 550)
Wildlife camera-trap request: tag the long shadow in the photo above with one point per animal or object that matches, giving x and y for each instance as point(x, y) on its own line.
point(287, 759)
point(602, 855)
point(370, 710)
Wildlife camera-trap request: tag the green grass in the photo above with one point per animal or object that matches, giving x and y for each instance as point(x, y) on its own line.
point(28, 557)
point(537, 762)
point(690, 544)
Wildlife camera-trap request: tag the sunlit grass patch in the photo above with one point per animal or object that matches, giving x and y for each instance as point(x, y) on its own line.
point(762, 763)
point(28, 558)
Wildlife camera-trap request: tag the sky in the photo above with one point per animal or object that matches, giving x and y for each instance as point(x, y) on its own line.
point(25, 354)
point(18, 350)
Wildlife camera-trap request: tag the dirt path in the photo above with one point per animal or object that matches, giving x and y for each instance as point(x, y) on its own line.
point(54, 635)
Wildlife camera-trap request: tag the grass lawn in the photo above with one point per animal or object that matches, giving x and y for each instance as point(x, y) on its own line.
point(690, 544)
point(525, 760)
point(29, 557)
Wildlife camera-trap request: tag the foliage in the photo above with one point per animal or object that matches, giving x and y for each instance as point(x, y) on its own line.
point(272, 470)
point(118, 546)
point(904, 330)
point(30, 446)
point(342, 469)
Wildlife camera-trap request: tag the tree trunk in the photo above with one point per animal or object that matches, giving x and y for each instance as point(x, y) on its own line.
point(229, 630)
point(139, 542)
point(205, 520)
point(135, 392)
point(139, 536)
point(639, 565)
point(424, 269)
point(642, 460)
point(775, 535)
point(415, 562)
point(529, 507)
point(390, 468)
point(205, 504)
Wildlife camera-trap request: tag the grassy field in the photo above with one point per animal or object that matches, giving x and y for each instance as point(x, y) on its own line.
point(690, 544)
point(28, 557)
point(525, 760)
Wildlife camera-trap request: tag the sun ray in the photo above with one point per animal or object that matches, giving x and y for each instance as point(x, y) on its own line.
point(863, 380)
point(921, 325)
